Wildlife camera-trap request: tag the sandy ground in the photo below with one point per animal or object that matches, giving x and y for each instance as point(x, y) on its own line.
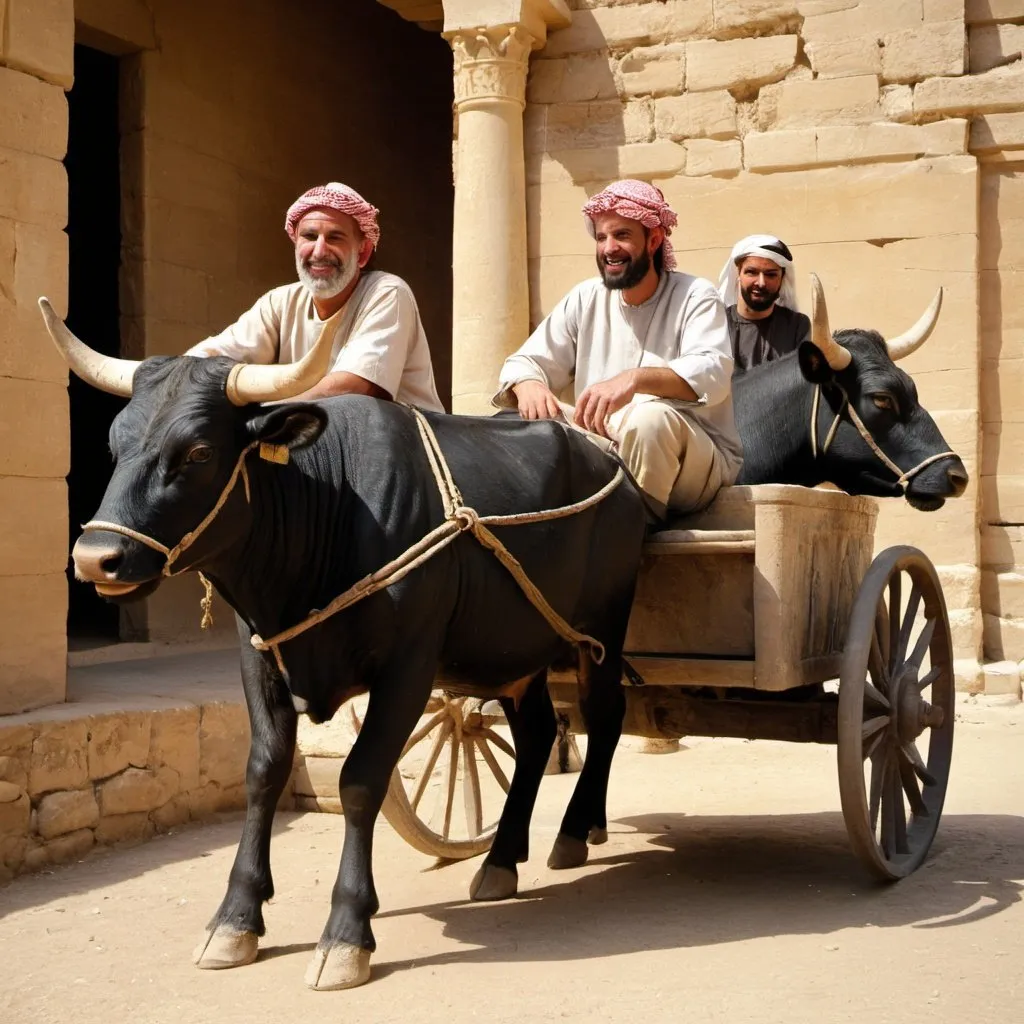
point(726, 892)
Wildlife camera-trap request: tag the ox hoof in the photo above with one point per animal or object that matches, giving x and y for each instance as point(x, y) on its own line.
point(493, 883)
point(341, 966)
point(224, 947)
point(598, 836)
point(567, 853)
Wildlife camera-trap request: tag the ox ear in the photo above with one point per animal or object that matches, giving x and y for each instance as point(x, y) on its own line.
point(813, 364)
point(294, 425)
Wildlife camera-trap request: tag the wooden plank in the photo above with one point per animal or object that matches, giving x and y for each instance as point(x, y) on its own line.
point(700, 542)
point(671, 713)
point(657, 670)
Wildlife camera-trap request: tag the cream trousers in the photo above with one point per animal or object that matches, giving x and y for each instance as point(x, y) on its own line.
point(672, 459)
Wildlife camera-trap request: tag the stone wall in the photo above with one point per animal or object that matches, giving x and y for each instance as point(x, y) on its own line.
point(76, 776)
point(853, 130)
point(36, 40)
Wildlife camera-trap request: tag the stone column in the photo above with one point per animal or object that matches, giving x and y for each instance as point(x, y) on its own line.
point(490, 314)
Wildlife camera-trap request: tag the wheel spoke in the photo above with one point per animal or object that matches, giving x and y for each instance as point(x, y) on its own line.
point(925, 681)
point(424, 730)
point(899, 810)
point(909, 780)
point(889, 810)
point(499, 741)
point(451, 771)
point(872, 745)
point(873, 726)
point(471, 789)
point(876, 696)
point(913, 604)
point(913, 755)
point(895, 598)
point(877, 666)
point(921, 647)
point(878, 763)
point(492, 763)
point(428, 766)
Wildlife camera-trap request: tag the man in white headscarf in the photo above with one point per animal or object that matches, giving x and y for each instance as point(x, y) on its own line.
point(757, 287)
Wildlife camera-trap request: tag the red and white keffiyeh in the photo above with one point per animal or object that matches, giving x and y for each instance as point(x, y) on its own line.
point(635, 200)
point(335, 196)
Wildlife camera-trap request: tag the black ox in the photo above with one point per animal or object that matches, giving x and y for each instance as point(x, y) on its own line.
point(337, 511)
point(786, 436)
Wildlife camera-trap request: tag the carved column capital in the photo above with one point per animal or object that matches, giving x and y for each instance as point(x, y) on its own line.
point(491, 64)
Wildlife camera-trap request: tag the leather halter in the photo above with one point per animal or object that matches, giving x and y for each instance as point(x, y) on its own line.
point(902, 477)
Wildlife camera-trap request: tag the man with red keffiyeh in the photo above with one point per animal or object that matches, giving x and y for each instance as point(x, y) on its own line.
point(647, 349)
point(380, 348)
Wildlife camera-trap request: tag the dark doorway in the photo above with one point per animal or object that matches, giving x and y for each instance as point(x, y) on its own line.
point(94, 237)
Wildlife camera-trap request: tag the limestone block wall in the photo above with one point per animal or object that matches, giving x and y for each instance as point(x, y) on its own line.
point(854, 131)
point(72, 778)
point(36, 43)
point(996, 35)
point(238, 108)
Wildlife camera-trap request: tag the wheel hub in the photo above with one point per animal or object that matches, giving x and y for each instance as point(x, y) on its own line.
point(913, 713)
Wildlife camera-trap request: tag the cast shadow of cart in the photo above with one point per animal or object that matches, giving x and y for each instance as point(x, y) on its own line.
point(704, 881)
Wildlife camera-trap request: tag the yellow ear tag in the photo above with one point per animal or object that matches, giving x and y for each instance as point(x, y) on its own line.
point(274, 453)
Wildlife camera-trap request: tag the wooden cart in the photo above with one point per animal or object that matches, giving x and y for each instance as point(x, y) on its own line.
point(744, 617)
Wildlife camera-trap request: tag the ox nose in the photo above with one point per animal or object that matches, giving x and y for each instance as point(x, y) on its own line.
point(958, 479)
point(96, 562)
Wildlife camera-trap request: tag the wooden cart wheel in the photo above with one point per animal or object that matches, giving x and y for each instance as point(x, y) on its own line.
point(456, 762)
point(896, 694)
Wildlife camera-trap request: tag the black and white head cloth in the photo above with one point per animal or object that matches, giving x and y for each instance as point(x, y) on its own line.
point(767, 247)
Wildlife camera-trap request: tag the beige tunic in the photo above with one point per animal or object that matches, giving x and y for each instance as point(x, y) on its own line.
point(594, 334)
point(380, 336)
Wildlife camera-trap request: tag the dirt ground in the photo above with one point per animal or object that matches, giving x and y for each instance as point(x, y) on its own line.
point(726, 892)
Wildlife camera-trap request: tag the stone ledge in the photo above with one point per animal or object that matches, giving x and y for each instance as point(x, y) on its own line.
point(139, 747)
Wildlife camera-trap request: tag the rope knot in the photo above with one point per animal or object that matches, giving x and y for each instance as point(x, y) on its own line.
point(466, 517)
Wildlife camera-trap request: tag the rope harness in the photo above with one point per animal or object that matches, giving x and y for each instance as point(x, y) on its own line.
point(901, 477)
point(458, 518)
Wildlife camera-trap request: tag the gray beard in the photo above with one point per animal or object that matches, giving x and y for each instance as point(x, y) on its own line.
point(327, 287)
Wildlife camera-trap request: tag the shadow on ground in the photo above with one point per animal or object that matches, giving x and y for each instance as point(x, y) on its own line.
point(709, 880)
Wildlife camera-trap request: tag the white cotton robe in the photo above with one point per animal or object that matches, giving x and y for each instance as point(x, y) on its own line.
point(380, 336)
point(594, 334)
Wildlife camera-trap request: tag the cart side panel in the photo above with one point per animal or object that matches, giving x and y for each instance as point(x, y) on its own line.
point(812, 550)
point(696, 604)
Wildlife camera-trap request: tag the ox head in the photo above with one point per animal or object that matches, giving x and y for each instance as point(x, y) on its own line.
point(883, 433)
point(179, 447)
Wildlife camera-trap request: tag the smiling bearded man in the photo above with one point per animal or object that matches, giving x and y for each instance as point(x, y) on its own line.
point(380, 348)
point(648, 352)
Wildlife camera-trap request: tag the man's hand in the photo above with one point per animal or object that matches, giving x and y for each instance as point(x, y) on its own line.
point(599, 401)
point(536, 401)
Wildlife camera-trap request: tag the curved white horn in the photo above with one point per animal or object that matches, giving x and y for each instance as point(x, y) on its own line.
point(252, 382)
point(837, 356)
point(104, 372)
point(912, 340)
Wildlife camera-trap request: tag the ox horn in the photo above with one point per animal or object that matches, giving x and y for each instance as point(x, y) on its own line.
point(912, 340)
point(104, 372)
point(252, 382)
point(837, 356)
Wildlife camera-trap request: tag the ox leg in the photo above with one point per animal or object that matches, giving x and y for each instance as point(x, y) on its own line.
point(534, 729)
point(603, 705)
point(232, 934)
point(342, 957)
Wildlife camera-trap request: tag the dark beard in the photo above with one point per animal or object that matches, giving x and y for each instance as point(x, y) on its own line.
point(758, 305)
point(634, 272)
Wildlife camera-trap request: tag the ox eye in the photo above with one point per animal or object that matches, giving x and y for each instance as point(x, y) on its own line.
point(884, 402)
point(199, 453)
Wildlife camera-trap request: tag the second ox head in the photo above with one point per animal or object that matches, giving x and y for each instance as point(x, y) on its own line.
point(178, 448)
point(870, 428)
